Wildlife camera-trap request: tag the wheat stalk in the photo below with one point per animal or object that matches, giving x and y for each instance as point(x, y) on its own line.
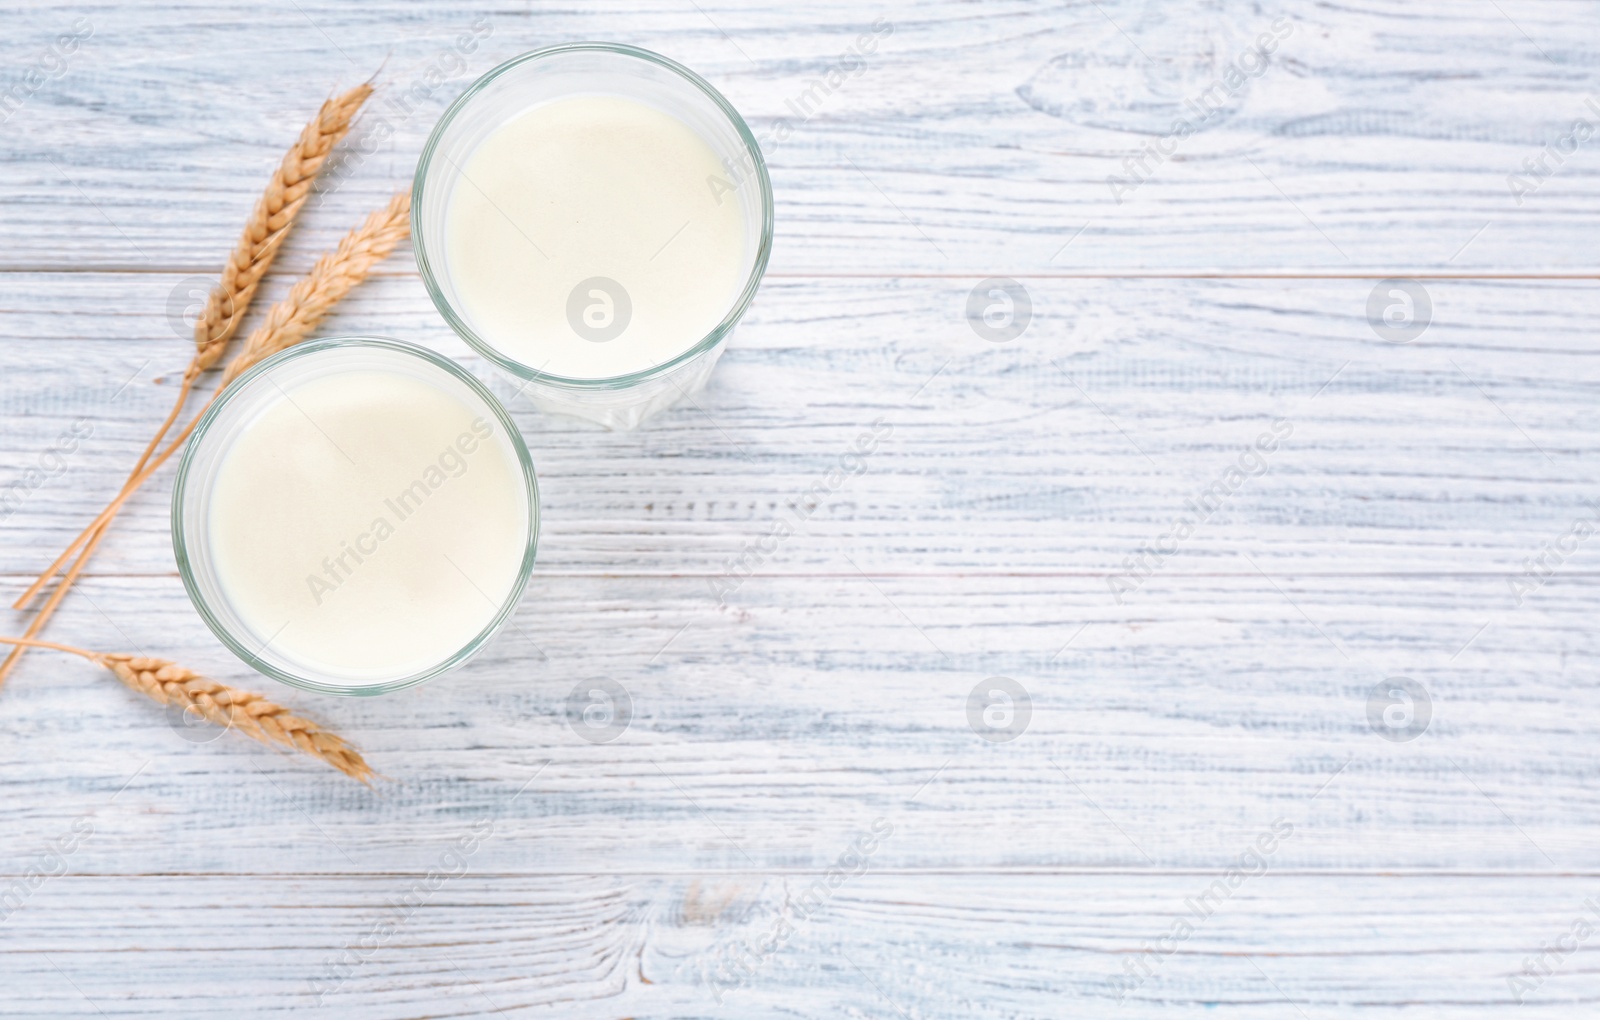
point(228, 707)
point(270, 222)
point(335, 274)
point(290, 321)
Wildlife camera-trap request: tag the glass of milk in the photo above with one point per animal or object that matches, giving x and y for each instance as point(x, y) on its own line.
point(355, 515)
point(594, 219)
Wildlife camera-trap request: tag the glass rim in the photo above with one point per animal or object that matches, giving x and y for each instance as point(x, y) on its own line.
point(186, 569)
point(522, 371)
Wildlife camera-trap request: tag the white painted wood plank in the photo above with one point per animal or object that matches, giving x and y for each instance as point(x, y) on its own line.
point(958, 946)
point(972, 139)
point(1160, 733)
point(1066, 450)
point(1166, 734)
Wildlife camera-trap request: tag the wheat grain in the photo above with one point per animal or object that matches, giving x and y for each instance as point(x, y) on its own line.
point(292, 319)
point(289, 321)
point(228, 707)
point(269, 225)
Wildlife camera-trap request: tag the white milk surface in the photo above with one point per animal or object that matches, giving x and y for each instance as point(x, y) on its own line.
point(368, 523)
point(586, 187)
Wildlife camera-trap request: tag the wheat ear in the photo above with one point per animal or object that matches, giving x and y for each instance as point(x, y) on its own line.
point(335, 274)
point(269, 224)
point(268, 227)
point(289, 322)
point(292, 319)
point(228, 707)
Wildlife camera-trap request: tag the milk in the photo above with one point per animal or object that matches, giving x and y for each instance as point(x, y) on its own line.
point(594, 236)
point(367, 524)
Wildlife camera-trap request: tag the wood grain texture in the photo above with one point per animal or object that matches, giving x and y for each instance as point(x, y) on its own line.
point(1420, 519)
point(1163, 735)
point(973, 138)
point(1063, 451)
point(882, 945)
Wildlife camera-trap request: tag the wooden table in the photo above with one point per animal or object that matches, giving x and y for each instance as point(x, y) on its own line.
point(1208, 811)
